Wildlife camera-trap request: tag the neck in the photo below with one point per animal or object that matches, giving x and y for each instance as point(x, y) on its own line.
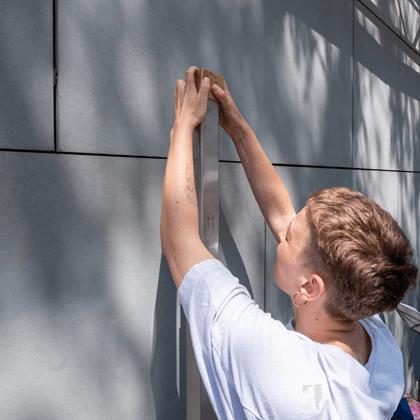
point(319, 327)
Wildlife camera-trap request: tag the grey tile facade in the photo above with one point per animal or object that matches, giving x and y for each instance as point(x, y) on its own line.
point(89, 320)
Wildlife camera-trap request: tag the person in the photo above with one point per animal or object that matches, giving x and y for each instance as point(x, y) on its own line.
point(342, 260)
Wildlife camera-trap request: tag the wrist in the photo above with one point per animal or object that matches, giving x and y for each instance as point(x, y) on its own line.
point(240, 132)
point(182, 127)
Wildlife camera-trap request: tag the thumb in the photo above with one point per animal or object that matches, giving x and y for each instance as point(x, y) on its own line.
point(219, 93)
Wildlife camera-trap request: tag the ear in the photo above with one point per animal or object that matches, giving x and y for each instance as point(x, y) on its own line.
point(314, 288)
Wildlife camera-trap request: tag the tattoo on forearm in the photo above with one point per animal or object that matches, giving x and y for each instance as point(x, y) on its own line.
point(190, 188)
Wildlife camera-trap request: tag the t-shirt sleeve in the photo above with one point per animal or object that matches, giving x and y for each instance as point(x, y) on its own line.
point(213, 300)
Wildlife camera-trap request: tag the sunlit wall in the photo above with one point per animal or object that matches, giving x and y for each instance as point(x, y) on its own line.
point(88, 312)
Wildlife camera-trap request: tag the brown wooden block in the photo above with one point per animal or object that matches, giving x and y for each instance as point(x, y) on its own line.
point(215, 78)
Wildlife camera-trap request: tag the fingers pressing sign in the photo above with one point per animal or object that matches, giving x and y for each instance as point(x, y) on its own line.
point(229, 116)
point(190, 105)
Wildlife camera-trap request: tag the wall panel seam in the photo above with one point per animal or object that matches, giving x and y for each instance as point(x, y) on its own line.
point(52, 152)
point(286, 165)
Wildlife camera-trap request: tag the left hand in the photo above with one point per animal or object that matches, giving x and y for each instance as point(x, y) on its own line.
point(190, 105)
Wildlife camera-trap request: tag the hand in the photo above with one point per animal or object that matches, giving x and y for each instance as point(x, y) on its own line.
point(190, 105)
point(230, 118)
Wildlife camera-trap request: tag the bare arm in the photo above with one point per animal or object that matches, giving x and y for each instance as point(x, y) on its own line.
point(181, 243)
point(268, 188)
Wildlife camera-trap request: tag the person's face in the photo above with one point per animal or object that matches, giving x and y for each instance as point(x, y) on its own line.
point(289, 270)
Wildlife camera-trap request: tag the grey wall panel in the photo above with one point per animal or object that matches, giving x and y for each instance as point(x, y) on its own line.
point(410, 22)
point(26, 75)
point(288, 65)
point(242, 230)
point(387, 10)
point(401, 16)
point(409, 220)
point(299, 95)
point(386, 118)
point(83, 282)
point(382, 187)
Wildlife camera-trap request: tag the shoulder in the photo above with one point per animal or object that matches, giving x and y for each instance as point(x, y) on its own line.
point(210, 282)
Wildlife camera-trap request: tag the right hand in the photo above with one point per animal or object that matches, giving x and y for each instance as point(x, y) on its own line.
point(230, 118)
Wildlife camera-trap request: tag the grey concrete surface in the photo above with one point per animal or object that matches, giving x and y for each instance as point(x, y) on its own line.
point(387, 10)
point(409, 220)
point(80, 263)
point(401, 16)
point(410, 22)
point(89, 320)
point(242, 230)
point(386, 97)
point(288, 65)
point(26, 75)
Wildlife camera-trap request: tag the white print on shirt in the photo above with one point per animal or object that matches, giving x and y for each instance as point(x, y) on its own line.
point(318, 393)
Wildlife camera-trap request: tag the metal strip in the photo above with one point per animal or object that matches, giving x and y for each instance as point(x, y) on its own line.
point(206, 171)
point(209, 180)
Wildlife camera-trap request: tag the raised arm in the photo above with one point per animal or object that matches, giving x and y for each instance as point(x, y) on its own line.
point(179, 232)
point(268, 188)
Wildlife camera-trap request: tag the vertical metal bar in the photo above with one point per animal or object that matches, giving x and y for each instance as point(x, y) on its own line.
point(209, 180)
point(206, 171)
point(55, 69)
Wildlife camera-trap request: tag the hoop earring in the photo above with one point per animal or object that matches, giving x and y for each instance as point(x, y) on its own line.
point(294, 303)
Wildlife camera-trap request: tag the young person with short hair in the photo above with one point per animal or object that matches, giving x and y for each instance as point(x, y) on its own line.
point(342, 260)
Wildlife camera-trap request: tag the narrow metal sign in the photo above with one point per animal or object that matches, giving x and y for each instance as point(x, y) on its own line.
point(206, 171)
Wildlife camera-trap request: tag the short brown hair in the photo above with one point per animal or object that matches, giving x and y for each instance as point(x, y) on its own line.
point(361, 253)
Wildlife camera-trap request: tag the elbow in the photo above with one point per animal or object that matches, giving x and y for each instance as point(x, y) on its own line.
point(166, 242)
point(164, 247)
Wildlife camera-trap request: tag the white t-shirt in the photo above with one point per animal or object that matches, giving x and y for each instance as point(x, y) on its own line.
point(254, 367)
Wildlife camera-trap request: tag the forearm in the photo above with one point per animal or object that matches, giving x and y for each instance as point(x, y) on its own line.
point(268, 188)
point(179, 201)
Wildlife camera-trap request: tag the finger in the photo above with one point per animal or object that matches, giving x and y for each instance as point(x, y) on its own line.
point(180, 87)
point(225, 86)
point(180, 90)
point(203, 93)
point(180, 84)
point(189, 79)
point(219, 93)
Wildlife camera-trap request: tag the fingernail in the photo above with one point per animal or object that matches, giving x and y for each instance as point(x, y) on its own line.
point(206, 80)
point(215, 87)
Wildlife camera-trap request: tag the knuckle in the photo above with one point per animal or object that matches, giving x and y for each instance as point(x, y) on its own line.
point(192, 69)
